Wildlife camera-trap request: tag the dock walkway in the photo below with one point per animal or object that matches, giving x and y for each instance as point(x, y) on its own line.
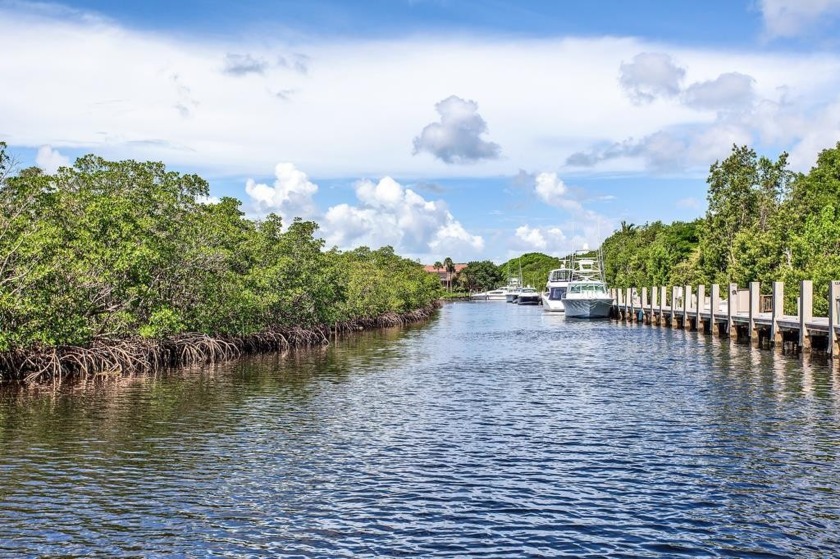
point(750, 315)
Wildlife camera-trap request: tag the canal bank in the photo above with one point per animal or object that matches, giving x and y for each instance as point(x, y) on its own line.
point(738, 313)
point(111, 356)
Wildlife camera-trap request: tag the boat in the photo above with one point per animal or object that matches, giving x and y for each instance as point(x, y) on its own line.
point(497, 294)
point(528, 296)
point(586, 294)
point(514, 286)
point(556, 287)
point(503, 293)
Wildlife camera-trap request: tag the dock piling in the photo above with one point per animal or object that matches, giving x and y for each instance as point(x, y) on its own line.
point(833, 319)
point(806, 313)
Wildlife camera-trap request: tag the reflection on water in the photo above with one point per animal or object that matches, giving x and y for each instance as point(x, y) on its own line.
point(493, 430)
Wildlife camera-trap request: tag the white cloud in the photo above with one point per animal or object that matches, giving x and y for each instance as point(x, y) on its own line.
point(289, 197)
point(729, 91)
point(457, 137)
point(533, 238)
point(243, 64)
point(686, 149)
point(553, 191)
point(822, 132)
point(390, 214)
point(789, 18)
point(560, 240)
point(167, 98)
point(49, 159)
point(651, 75)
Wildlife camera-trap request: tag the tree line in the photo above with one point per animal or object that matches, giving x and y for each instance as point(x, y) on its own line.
point(764, 223)
point(106, 250)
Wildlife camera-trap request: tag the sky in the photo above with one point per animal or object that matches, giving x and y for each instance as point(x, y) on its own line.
point(466, 129)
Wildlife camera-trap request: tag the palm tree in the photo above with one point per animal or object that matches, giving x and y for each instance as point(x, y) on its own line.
point(450, 269)
point(438, 267)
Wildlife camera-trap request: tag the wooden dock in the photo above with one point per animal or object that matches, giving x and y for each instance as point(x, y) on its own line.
point(737, 313)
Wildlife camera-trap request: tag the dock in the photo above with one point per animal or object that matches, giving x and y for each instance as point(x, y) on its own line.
point(737, 313)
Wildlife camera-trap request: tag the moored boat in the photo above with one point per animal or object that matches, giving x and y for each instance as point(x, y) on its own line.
point(528, 296)
point(586, 295)
point(587, 299)
point(556, 287)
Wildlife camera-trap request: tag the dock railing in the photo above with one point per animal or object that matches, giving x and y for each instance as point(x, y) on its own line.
point(736, 312)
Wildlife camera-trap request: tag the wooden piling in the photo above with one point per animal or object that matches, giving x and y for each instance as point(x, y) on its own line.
point(675, 321)
point(806, 313)
point(731, 310)
point(833, 319)
point(663, 292)
point(755, 294)
point(686, 307)
point(701, 303)
point(713, 310)
point(776, 337)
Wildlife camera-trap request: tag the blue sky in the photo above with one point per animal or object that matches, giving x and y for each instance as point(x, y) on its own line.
point(476, 130)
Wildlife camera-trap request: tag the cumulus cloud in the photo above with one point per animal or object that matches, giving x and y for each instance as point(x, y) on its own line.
point(789, 18)
point(730, 91)
point(390, 214)
point(681, 149)
point(243, 64)
point(686, 146)
point(605, 152)
point(548, 239)
point(290, 196)
point(588, 230)
point(537, 117)
point(457, 137)
point(553, 191)
point(49, 159)
point(650, 75)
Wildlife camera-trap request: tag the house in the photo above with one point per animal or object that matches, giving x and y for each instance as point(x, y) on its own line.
point(441, 272)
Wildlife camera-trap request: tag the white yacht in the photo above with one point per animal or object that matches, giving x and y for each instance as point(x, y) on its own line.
point(528, 296)
point(504, 293)
point(556, 287)
point(586, 295)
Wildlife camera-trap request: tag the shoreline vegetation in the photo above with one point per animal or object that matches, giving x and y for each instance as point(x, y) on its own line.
point(129, 356)
point(763, 223)
point(123, 267)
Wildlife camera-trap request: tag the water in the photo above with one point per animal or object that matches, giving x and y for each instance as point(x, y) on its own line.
point(493, 430)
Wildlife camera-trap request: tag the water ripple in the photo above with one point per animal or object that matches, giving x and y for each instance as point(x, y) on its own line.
point(492, 431)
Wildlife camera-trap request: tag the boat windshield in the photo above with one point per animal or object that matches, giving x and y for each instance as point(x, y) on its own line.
point(593, 288)
point(562, 274)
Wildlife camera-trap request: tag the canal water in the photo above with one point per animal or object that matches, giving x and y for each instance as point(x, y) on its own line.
point(490, 431)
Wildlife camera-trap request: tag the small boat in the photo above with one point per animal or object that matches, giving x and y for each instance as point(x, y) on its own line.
point(528, 296)
point(556, 287)
point(586, 295)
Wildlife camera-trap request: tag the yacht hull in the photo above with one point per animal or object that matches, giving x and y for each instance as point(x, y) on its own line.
point(552, 305)
point(529, 299)
point(588, 307)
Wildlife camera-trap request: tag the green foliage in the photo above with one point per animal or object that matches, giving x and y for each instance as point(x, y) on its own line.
point(479, 276)
point(115, 249)
point(745, 194)
point(652, 254)
point(535, 267)
point(764, 223)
